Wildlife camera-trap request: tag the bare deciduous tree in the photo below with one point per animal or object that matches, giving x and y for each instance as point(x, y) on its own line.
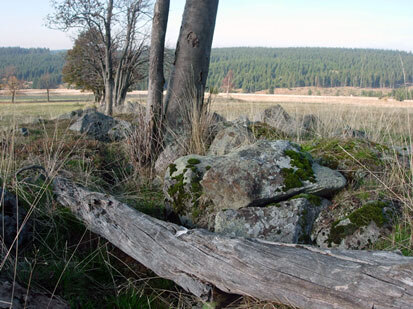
point(228, 81)
point(11, 82)
point(47, 82)
point(118, 24)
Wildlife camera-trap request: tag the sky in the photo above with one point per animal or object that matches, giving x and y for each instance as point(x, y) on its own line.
point(384, 24)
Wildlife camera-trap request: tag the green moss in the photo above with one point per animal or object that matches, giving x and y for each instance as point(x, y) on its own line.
point(172, 169)
point(369, 212)
point(181, 195)
point(263, 131)
point(302, 170)
point(338, 232)
point(208, 167)
point(359, 218)
point(291, 179)
point(313, 199)
point(193, 161)
point(343, 154)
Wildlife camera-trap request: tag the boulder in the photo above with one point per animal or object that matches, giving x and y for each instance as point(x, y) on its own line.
point(253, 175)
point(289, 221)
point(310, 124)
point(266, 172)
point(359, 229)
point(230, 138)
point(182, 186)
point(276, 117)
point(11, 219)
point(76, 114)
point(101, 127)
point(171, 152)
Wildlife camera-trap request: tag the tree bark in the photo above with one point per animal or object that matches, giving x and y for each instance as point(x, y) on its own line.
point(188, 79)
point(109, 80)
point(302, 276)
point(154, 116)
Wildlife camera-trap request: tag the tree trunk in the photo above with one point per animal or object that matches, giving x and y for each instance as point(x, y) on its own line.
point(154, 116)
point(48, 96)
point(13, 95)
point(109, 85)
point(108, 73)
point(188, 79)
point(298, 275)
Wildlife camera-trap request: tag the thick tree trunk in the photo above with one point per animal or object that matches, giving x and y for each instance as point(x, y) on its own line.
point(109, 86)
point(154, 116)
point(108, 69)
point(302, 276)
point(188, 79)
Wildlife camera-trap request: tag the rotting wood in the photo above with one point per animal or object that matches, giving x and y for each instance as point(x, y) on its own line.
point(302, 276)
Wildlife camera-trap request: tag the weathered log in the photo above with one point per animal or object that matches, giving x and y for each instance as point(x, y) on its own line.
point(298, 275)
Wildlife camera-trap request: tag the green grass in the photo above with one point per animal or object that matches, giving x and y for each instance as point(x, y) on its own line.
point(20, 113)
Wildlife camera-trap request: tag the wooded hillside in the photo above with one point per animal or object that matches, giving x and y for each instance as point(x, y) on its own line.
point(258, 68)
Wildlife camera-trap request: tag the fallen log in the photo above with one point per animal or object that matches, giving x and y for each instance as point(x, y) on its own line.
point(197, 260)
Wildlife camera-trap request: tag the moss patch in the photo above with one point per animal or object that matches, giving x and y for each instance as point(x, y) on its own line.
point(302, 170)
point(359, 218)
point(313, 199)
point(263, 131)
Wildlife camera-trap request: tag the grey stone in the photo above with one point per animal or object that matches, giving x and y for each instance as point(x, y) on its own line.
point(276, 117)
point(332, 232)
point(182, 186)
point(229, 139)
point(101, 127)
point(255, 175)
point(172, 152)
point(289, 221)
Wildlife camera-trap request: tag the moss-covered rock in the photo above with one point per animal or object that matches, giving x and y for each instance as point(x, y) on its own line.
point(359, 229)
point(288, 221)
point(183, 189)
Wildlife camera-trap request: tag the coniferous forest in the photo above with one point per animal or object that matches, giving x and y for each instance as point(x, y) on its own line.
point(256, 69)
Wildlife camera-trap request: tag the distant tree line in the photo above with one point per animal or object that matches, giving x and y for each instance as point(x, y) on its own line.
point(255, 69)
point(31, 64)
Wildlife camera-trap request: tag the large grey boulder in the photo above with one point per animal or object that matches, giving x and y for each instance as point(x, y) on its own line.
point(358, 229)
point(229, 139)
point(11, 219)
point(289, 221)
point(266, 172)
point(101, 127)
point(76, 114)
point(253, 175)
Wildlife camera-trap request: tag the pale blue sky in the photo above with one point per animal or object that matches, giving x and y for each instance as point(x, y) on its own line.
point(384, 24)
